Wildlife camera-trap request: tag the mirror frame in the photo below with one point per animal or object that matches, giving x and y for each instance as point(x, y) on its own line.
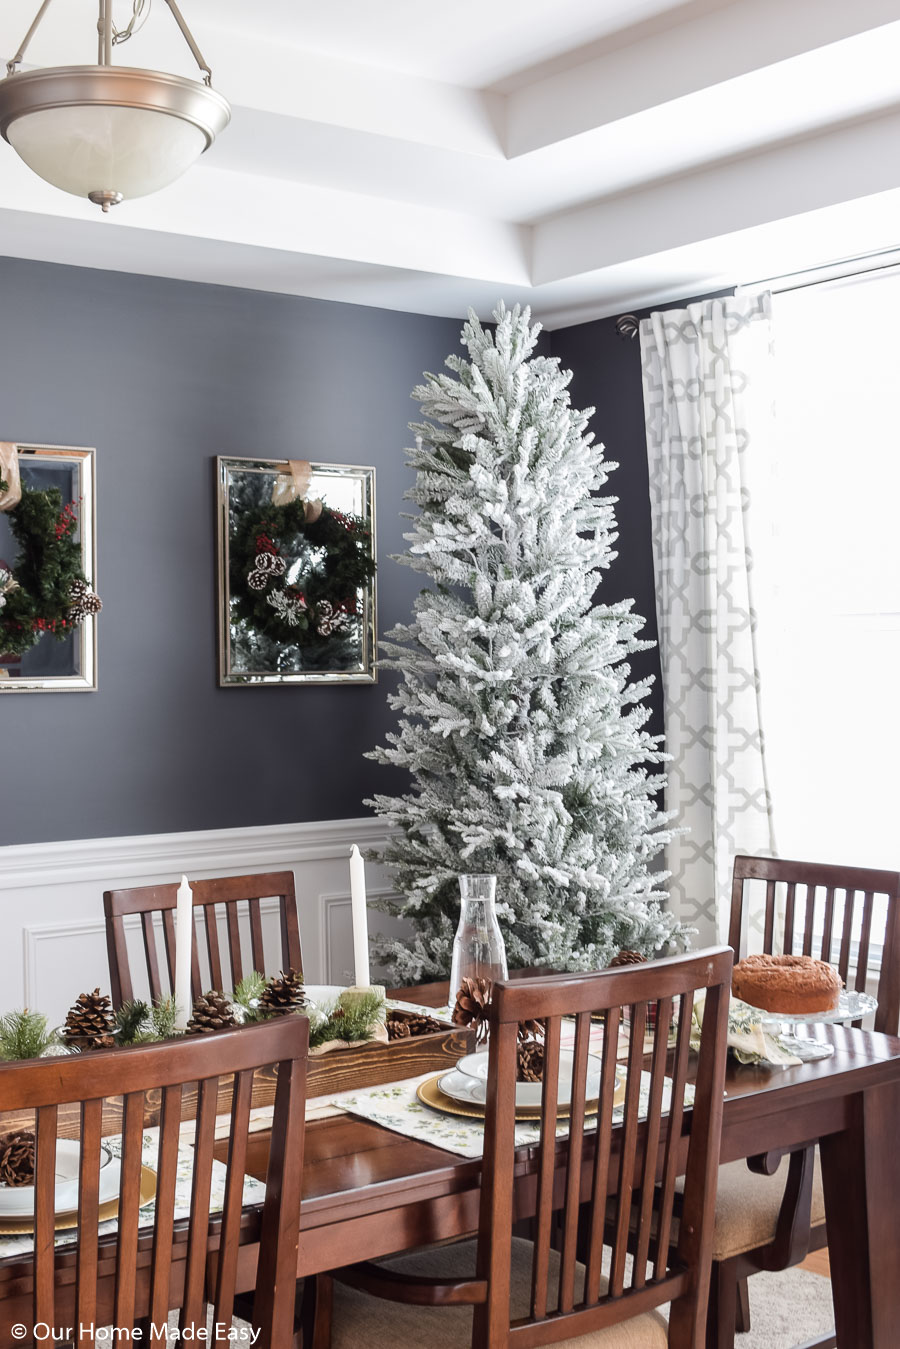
point(226, 465)
point(83, 459)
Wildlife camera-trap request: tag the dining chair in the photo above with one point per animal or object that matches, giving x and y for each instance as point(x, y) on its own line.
point(134, 1277)
point(769, 1217)
point(229, 901)
point(500, 1290)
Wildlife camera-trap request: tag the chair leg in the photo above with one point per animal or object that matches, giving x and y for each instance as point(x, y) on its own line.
point(316, 1309)
point(742, 1323)
point(721, 1317)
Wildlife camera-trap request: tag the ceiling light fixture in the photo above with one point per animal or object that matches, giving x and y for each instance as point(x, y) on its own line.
point(109, 132)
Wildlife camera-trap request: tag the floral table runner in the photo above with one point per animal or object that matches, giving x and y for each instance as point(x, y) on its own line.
point(254, 1192)
point(397, 1107)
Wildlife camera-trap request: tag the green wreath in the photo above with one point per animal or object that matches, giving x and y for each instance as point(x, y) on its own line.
point(294, 579)
point(45, 590)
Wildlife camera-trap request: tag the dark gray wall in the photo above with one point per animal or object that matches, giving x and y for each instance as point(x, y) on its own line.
point(161, 376)
point(607, 376)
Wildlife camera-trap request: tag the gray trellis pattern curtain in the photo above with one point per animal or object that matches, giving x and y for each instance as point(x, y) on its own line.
point(705, 372)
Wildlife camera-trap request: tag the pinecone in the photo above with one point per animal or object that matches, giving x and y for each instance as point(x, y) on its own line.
point(397, 1028)
point(471, 1009)
point(211, 1012)
point(532, 1030)
point(90, 1022)
point(400, 1025)
point(17, 1159)
point(626, 958)
point(283, 994)
point(530, 1055)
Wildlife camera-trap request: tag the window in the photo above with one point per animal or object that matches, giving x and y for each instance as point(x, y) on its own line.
point(827, 574)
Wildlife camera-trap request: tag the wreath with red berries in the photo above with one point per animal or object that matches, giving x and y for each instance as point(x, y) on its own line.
point(45, 589)
point(296, 573)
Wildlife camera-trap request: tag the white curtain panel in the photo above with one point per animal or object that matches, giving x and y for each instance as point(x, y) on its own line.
point(707, 396)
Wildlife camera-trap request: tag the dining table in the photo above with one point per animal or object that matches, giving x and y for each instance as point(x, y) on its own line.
point(371, 1191)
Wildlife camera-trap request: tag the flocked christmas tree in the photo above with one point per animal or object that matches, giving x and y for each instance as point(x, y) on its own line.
point(518, 724)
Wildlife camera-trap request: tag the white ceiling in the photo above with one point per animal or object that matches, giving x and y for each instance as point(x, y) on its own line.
point(588, 156)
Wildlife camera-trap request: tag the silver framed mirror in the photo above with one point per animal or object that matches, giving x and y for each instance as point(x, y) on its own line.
point(296, 571)
point(63, 658)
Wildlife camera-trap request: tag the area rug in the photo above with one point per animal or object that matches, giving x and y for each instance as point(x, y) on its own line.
point(787, 1309)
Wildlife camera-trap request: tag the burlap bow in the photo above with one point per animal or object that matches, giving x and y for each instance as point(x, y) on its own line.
point(9, 473)
point(294, 485)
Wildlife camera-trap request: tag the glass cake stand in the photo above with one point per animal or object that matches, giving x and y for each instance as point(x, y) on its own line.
point(852, 1006)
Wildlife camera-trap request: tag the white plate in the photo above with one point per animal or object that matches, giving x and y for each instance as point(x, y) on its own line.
point(472, 1074)
point(18, 1201)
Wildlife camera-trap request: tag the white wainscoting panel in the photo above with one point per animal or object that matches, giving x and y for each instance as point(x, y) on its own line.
point(51, 900)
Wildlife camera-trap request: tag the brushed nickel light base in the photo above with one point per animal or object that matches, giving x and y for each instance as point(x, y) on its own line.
point(105, 199)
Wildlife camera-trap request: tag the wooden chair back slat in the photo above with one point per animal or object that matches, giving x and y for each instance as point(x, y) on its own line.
point(168, 922)
point(573, 1165)
point(211, 925)
point(110, 1278)
point(256, 936)
point(846, 925)
point(193, 1311)
point(234, 944)
point(651, 1142)
point(565, 1298)
point(629, 1147)
point(46, 1118)
point(150, 953)
point(226, 1268)
point(673, 1136)
point(546, 1173)
point(88, 1217)
point(770, 914)
point(129, 1208)
point(234, 899)
point(166, 1176)
point(600, 1177)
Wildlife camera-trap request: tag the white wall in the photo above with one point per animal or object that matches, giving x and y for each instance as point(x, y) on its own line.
point(53, 943)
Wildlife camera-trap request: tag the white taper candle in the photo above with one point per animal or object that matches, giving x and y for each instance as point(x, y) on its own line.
point(184, 935)
point(360, 917)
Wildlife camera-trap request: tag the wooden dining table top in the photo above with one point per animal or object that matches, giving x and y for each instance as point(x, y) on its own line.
point(369, 1191)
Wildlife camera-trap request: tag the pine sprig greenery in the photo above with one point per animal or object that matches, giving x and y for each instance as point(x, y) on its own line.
point(142, 1023)
point(517, 720)
point(248, 993)
point(24, 1035)
point(46, 568)
point(353, 1018)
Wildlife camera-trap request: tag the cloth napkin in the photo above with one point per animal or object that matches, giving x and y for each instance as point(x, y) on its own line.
point(746, 1038)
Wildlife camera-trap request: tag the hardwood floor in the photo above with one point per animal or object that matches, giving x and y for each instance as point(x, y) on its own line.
point(818, 1263)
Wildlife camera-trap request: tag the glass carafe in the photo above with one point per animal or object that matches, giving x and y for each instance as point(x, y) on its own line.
point(478, 949)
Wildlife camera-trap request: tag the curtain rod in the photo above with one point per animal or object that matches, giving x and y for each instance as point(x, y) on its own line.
point(842, 269)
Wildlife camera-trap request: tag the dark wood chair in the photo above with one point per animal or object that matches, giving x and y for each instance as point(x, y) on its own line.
point(232, 902)
point(134, 1278)
point(498, 1290)
point(768, 1216)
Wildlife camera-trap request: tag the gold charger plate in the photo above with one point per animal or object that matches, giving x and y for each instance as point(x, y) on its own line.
point(430, 1094)
point(20, 1227)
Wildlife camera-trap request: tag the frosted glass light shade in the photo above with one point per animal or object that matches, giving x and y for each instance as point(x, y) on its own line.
point(124, 150)
point(109, 130)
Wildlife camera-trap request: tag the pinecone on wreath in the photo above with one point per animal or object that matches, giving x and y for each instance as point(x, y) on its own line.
point(90, 1022)
point(283, 994)
point(211, 1012)
point(472, 1002)
point(626, 958)
point(530, 1057)
point(17, 1159)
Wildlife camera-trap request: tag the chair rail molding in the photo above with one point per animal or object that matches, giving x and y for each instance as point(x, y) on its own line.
point(51, 898)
